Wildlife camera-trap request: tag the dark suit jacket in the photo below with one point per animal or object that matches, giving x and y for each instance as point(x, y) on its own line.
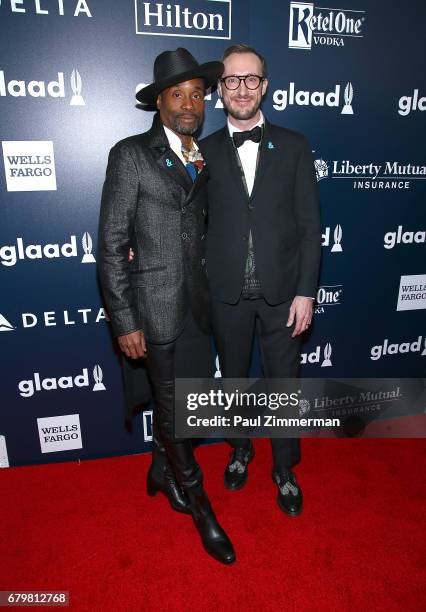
point(282, 213)
point(150, 203)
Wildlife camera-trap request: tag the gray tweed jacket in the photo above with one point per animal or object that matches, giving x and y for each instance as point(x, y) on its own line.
point(150, 203)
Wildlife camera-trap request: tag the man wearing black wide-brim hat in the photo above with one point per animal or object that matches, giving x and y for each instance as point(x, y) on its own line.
point(154, 201)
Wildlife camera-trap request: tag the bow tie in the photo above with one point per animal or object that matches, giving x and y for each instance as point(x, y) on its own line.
point(255, 135)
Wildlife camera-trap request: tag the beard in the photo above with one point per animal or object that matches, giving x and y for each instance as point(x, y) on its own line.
point(183, 128)
point(242, 113)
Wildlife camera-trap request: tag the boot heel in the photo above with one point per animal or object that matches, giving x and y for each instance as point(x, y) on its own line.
point(150, 489)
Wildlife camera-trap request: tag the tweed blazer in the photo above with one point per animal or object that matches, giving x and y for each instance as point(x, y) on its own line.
point(149, 203)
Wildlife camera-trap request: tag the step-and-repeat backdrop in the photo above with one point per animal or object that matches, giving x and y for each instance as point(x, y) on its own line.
point(350, 76)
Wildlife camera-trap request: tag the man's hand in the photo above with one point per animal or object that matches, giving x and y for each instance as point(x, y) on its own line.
point(133, 344)
point(131, 255)
point(301, 309)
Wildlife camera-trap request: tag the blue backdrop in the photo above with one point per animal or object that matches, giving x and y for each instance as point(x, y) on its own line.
point(352, 78)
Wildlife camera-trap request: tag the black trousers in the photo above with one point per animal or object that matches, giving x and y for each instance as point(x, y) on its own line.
point(234, 326)
point(188, 356)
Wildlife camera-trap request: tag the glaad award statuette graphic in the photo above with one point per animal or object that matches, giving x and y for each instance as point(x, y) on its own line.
point(77, 98)
point(327, 355)
point(98, 376)
point(349, 95)
point(87, 248)
point(337, 247)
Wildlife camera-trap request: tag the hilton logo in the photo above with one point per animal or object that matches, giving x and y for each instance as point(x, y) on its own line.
point(189, 18)
point(322, 26)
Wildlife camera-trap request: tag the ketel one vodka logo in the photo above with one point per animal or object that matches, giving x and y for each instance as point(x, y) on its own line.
point(310, 25)
point(316, 356)
point(328, 295)
point(27, 388)
point(337, 239)
point(19, 88)
point(11, 254)
point(282, 98)
point(187, 18)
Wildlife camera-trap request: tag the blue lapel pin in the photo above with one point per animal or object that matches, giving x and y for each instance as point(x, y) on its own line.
point(169, 163)
point(271, 145)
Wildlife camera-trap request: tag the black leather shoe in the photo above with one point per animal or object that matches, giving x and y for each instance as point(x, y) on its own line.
point(213, 537)
point(168, 485)
point(290, 497)
point(236, 472)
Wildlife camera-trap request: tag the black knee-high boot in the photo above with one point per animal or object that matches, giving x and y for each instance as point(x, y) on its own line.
point(190, 478)
point(161, 478)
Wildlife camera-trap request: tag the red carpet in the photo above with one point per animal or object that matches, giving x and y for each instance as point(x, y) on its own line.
point(90, 529)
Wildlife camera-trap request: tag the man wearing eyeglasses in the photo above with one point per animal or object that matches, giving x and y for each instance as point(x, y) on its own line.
point(263, 250)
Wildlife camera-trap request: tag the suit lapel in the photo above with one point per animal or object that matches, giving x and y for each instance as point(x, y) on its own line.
point(227, 154)
point(266, 158)
point(166, 158)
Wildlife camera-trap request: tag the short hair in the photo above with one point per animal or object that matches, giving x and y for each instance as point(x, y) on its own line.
point(242, 48)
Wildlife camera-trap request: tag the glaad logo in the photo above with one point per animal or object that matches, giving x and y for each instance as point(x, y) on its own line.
point(29, 165)
point(59, 433)
point(283, 98)
point(39, 89)
point(412, 292)
point(184, 19)
point(337, 237)
point(315, 356)
point(328, 295)
point(379, 351)
point(386, 175)
point(11, 254)
point(51, 318)
point(40, 7)
point(408, 103)
point(403, 237)
point(27, 388)
point(309, 25)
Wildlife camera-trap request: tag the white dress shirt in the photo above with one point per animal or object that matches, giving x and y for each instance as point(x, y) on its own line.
point(248, 153)
point(176, 143)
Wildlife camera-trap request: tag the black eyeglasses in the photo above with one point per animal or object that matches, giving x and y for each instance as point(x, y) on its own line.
point(251, 81)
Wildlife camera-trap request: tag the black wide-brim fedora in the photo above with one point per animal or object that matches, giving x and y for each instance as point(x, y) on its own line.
point(171, 67)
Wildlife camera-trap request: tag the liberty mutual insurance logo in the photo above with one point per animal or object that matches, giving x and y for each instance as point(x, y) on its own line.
point(310, 25)
point(188, 18)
